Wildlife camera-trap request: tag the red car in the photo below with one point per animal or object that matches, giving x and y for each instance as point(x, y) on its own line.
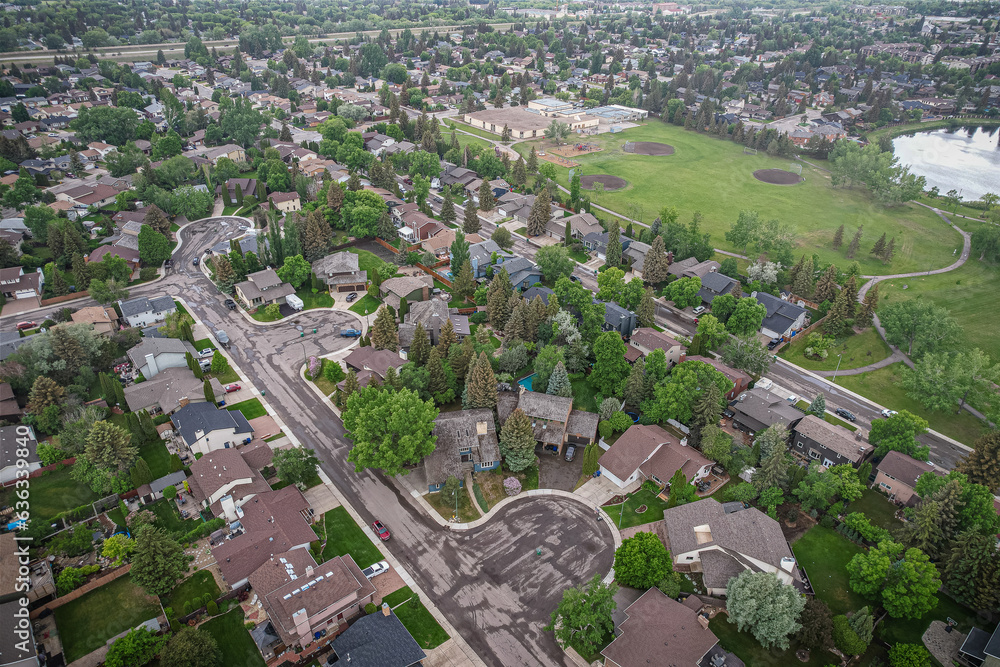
point(230, 388)
point(380, 530)
point(21, 326)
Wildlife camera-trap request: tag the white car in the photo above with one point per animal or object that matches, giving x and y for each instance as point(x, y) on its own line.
point(207, 352)
point(376, 569)
point(699, 310)
point(888, 413)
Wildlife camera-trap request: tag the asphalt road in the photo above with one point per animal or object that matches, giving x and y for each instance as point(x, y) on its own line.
point(489, 582)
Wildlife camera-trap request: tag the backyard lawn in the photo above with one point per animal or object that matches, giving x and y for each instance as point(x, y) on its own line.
point(344, 536)
point(625, 516)
point(87, 622)
point(749, 650)
point(320, 299)
point(191, 590)
point(238, 648)
point(54, 492)
point(416, 619)
point(923, 240)
point(856, 351)
point(157, 457)
point(583, 393)
point(251, 408)
point(368, 261)
point(366, 305)
point(908, 631)
point(968, 293)
point(824, 554)
point(877, 508)
point(168, 518)
point(883, 387)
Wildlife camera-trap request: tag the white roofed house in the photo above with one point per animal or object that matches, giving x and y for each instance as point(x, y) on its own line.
point(142, 311)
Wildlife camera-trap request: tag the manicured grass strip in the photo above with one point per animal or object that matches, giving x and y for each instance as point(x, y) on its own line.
point(344, 536)
point(884, 387)
point(416, 618)
point(629, 517)
point(191, 590)
point(827, 417)
point(856, 351)
point(466, 512)
point(203, 344)
point(251, 408)
point(87, 622)
point(824, 554)
point(238, 648)
point(157, 457)
point(877, 508)
point(366, 305)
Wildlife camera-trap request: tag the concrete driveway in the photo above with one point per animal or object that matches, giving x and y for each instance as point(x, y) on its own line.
point(554, 472)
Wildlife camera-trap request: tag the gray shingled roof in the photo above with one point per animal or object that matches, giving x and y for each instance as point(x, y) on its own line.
point(158, 346)
point(833, 437)
point(206, 417)
point(142, 304)
point(376, 640)
point(9, 445)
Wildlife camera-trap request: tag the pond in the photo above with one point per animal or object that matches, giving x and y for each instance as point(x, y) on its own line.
point(965, 159)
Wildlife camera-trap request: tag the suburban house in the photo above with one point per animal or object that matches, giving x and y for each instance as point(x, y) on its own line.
point(646, 339)
point(411, 288)
point(617, 318)
point(16, 285)
point(153, 355)
point(722, 541)
point(377, 640)
point(657, 626)
point(224, 473)
point(830, 444)
point(439, 245)
point(580, 225)
point(714, 284)
point(897, 475)
point(739, 379)
point(692, 268)
point(341, 272)
point(9, 409)
point(304, 599)
point(367, 361)
point(466, 441)
point(649, 452)
point(636, 254)
point(169, 391)
point(286, 202)
point(432, 315)
point(231, 151)
point(523, 272)
point(597, 242)
point(18, 451)
point(981, 649)
point(553, 418)
point(154, 490)
point(238, 188)
point(782, 317)
point(758, 408)
point(142, 311)
point(205, 428)
point(104, 319)
point(268, 523)
point(481, 256)
point(263, 288)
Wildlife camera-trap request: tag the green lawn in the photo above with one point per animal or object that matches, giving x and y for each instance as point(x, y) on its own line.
point(87, 622)
point(450, 123)
point(749, 650)
point(908, 631)
point(466, 512)
point(827, 417)
point(191, 590)
point(238, 648)
point(168, 518)
point(579, 256)
point(418, 621)
point(583, 393)
point(856, 351)
point(824, 554)
point(344, 536)
point(320, 299)
point(229, 210)
point(157, 457)
point(367, 261)
point(53, 493)
point(261, 316)
point(628, 517)
point(882, 386)
point(465, 140)
point(251, 408)
point(877, 508)
point(968, 293)
point(203, 343)
point(923, 240)
point(366, 305)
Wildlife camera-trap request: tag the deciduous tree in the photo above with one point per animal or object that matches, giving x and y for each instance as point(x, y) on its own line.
point(583, 617)
point(642, 561)
point(903, 581)
point(390, 430)
point(760, 603)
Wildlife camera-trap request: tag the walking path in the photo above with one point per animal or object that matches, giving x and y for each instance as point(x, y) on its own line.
point(893, 358)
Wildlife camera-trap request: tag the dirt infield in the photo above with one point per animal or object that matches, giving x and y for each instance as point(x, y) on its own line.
point(609, 182)
point(573, 150)
point(652, 148)
point(777, 177)
point(559, 160)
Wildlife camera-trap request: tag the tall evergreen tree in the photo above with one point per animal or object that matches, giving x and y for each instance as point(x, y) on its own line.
point(448, 208)
point(446, 338)
point(613, 255)
point(517, 442)
point(471, 223)
point(982, 464)
point(498, 299)
point(437, 379)
point(559, 383)
point(384, 334)
point(852, 249)
point(464, 285)
point(773, 471)
point(487, 202)
point(706, 412)
point(889, 252)
point(541, 213)
point(635, 386)
point(646, 312)
point(826, 288)
point(480, 385)
point(866, 312)
point(838, 238)
point(420, 347)
point(654, 268)
point(972, 570)
point(879, 248)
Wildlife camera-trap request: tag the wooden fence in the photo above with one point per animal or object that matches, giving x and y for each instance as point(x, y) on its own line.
point(394, 249)
point(434, 274)
point(65, 297)
point(41, 471)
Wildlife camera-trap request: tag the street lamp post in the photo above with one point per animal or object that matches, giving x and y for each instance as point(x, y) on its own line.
point(839, 358)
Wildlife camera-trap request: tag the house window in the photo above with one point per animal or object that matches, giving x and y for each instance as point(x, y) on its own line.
point(689, 558)
point(885, 486)
point(799, 445)
point(813, 454)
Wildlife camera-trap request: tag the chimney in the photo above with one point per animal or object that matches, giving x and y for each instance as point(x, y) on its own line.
point(386, 611)
point(309, 570)
point(151, 362)
point(183, 401)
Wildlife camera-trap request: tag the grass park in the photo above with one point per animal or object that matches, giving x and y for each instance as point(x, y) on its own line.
point(715, 177)
point(856, 351)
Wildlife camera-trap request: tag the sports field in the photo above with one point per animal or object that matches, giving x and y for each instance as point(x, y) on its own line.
point(715, 177)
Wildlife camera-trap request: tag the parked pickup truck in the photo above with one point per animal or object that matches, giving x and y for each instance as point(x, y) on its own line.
point(350, 333)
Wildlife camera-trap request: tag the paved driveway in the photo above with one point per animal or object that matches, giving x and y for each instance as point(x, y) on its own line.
point(554, 472)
